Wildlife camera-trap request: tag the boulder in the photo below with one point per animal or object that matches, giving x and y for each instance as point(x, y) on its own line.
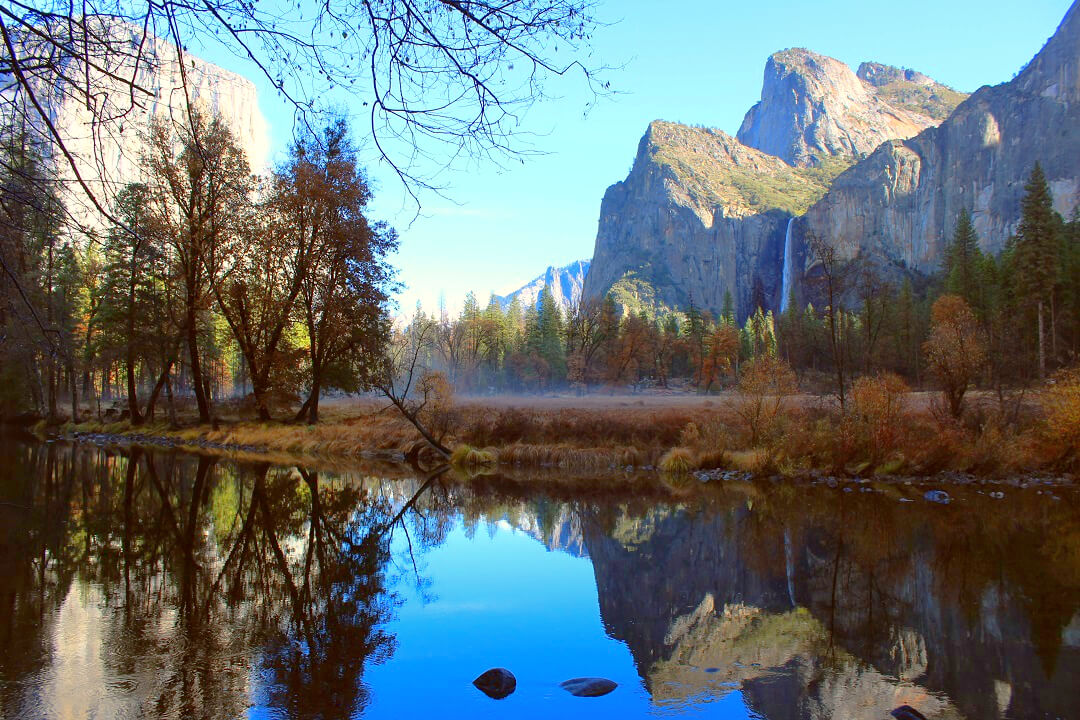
point(496, 683)
point(588, 686)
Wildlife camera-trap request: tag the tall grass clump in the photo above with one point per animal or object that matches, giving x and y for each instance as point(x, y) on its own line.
point(466, 456)
point(678, 460)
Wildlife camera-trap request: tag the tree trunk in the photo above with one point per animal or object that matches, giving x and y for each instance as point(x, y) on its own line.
point(197, 379)
point(313, 408)
point(1042, 345)
point(74, 395)
point(169, 399)
point(133, 393)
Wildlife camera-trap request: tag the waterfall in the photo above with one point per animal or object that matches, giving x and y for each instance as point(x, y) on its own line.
point(785, 282)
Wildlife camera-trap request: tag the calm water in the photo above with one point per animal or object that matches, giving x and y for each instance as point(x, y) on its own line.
point(168, 586)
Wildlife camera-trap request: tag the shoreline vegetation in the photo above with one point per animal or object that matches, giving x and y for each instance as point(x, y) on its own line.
point(886, 431)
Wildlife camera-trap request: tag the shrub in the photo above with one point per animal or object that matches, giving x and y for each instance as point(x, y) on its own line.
point(678, 460)
point(466, 456)
point(877, 407)
point(763, 386)
point(1061, 403)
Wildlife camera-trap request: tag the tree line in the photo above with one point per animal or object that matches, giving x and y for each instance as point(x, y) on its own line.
point(1002, 322)
point(210, 282)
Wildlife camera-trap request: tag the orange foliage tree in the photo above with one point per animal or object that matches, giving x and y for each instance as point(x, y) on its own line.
point(954, 351)
point(765, 382)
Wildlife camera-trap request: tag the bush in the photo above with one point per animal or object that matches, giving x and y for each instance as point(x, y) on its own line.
point(877, 408)
point(1061, 403)
point(763, 385)
point(466, 456)
point(678, 460)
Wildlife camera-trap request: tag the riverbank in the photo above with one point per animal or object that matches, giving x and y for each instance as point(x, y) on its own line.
point(805, 436)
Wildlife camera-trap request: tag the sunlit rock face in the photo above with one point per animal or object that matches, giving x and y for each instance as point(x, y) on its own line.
point(703, 214)
point(901, 202)
point(107, 154)
point(699, 215)
point(813, 106)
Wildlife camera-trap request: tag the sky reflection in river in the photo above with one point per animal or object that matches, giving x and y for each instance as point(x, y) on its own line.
point(139, 585)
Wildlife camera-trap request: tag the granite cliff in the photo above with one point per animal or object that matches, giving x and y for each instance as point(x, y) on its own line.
point(901, 202)
point(107, 152)
point(703, 214)
point(878, 161)
point(813, 106)
point(566, 284)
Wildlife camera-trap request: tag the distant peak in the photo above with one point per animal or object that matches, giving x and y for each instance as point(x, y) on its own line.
point(879, 75)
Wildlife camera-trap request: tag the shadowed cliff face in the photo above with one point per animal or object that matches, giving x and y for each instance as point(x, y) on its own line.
point(817, 603)
point(702, 214)
point(902, 201)
point(699, 215)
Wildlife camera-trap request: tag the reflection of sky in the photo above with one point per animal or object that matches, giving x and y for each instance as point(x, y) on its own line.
point(505, 601)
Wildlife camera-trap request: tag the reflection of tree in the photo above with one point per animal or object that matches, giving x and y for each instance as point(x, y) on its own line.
point(200, 563)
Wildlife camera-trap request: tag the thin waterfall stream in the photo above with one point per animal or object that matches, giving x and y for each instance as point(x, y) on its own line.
point(785, 282)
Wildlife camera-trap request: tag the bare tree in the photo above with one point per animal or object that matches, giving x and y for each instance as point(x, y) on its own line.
point(832, 272)
point(439, 78)
point(409, 385)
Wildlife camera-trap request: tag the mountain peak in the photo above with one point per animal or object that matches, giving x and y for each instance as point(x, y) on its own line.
point(566, 283)
point(814, 107)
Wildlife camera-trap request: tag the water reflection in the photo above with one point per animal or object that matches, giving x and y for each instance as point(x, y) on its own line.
point(166, 585)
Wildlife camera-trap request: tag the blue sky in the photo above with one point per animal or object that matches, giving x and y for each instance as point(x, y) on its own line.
point(691, 61)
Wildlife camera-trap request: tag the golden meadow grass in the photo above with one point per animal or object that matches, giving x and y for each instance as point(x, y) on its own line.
point(807, 437)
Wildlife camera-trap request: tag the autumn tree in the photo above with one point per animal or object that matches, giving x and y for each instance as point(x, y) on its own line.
point(338, 262)
point(954, 351)
point(763, 387)
point(723, 347)
point(199, 191)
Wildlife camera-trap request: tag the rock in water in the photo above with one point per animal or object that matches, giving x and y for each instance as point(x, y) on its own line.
point(937, 496)
point(588, 687)
point(906, 712)
point(496, 683)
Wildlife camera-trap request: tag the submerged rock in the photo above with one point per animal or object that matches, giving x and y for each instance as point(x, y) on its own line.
point(906, 712)
point(589, 686)
point(937, 496)
point(496, 683)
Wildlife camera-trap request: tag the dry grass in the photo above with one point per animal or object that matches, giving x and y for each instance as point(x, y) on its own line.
point(884, 433)
point(678, 460)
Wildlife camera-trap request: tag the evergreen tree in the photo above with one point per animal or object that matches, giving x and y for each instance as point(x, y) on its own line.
point(1036, 254)
point(727, 312)
point(962, 262)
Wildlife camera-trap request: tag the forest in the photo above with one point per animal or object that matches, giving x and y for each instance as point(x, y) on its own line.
point(208, 283)
point(1001, 323)
point(212, 285)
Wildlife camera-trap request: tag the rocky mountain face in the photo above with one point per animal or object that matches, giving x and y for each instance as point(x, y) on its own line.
point(703, 214)
point(108, 153)
point(699, 216)
point(813, 106)
point(901, 202)
point(566, 285)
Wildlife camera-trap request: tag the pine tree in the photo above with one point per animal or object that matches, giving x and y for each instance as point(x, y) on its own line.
point(727, 312)
point(962, 262)
point(1036, 253)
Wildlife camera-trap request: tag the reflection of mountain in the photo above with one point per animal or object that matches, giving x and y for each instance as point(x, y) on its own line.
point(836, 606)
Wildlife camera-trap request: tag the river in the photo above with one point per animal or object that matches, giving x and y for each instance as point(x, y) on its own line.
point(146, 584)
